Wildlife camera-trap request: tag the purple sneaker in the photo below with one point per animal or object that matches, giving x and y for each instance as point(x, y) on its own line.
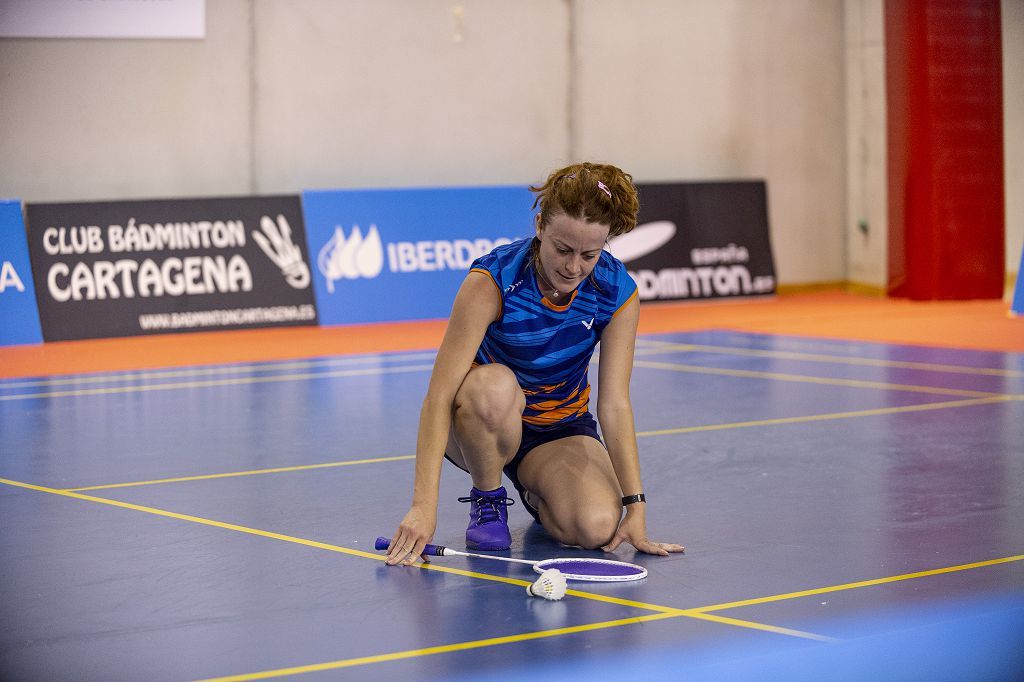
point(488, 519)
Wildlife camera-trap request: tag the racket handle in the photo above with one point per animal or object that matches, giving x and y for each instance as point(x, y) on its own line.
point(430, 550)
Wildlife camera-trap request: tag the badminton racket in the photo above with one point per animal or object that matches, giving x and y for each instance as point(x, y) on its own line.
point(594, 570)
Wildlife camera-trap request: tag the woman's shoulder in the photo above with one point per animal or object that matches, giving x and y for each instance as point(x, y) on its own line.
point(610, 269)
point(614, 283)
point(509, 250)
point(503, 261)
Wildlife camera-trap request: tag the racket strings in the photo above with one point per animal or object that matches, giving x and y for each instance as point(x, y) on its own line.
point(594, 569)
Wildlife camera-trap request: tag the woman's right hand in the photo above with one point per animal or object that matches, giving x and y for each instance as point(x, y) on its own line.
point(412, 536)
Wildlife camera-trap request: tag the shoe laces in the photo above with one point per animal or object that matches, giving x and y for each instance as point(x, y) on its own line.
point(489, 508)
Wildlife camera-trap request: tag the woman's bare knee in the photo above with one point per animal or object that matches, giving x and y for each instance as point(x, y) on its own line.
point(589, 527)
point(490, 395)
point(596, 527)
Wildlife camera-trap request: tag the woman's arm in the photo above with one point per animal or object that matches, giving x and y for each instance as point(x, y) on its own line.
point(477, 304)
point(615, 412)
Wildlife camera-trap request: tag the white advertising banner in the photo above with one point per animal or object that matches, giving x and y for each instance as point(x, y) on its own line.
point(102, 18)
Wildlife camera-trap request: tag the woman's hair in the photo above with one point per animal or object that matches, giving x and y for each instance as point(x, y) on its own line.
point(594, 192)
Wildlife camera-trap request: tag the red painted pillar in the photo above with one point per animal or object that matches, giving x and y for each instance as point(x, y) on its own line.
point(943, 68)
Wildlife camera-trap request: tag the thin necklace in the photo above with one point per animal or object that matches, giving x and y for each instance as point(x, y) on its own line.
point(547, 283)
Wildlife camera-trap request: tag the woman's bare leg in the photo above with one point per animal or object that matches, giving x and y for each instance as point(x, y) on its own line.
point(487, 423)
point(486, 430)
point(573, 485)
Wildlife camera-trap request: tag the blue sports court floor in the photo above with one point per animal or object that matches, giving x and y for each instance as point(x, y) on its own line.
point(850, 511)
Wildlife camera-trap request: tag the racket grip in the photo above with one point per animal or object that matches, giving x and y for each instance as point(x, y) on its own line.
point(430, 550)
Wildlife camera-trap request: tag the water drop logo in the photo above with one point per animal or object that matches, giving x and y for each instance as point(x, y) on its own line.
point(351, 258)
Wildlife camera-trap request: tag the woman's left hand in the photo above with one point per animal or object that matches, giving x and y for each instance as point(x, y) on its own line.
point(633, 529)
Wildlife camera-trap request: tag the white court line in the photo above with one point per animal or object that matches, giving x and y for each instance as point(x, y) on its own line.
point(271, 366)
point(219, 382)
point(648, 347)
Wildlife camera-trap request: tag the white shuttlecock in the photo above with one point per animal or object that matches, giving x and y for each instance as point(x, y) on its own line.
point(550, 585)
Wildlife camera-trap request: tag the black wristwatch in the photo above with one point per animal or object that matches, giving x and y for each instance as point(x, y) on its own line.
point(633, 499)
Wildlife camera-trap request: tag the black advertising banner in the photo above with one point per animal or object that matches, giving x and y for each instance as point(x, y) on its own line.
point(125, 268)
point(700, 240)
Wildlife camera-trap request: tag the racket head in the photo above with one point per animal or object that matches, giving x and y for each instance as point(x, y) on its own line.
point(593, 570)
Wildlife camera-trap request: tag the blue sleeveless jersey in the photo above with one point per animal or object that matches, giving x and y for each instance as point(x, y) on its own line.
point(549, 346)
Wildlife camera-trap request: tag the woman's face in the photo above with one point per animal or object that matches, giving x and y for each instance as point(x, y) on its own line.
point(569, 250)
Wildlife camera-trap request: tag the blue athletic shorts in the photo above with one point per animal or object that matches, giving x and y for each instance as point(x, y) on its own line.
point(535, 436)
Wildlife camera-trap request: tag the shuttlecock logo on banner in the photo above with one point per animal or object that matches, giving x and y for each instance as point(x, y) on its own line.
point(276, 242)
point(351, 258)
point(644, 239)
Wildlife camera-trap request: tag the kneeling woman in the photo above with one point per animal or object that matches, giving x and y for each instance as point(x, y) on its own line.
point(509, 391)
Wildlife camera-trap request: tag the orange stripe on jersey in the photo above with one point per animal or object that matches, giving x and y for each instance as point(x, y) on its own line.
point(632, 296)
point(543, 390)
point(501, 299)
point(552, 417)
point(551, 411)
point(574, 400)
point(558, 308)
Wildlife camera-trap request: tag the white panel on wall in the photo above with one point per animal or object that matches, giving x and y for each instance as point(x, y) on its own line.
point(107, 19)
point(356, 94)
point(1013, 128)
point(732, 89)
point(867, 223)
point(98, 119)
point(805, 129)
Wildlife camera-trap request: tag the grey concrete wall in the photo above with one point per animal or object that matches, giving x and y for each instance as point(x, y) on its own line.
point(729, 89)
point(112, 119)
point(282, 96)
point(357, 93)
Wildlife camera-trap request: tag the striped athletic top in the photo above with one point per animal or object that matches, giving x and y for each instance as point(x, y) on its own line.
point(549, 346)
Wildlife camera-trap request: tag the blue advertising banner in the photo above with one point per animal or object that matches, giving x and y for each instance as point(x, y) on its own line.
point(401, 254)
point(19, 316)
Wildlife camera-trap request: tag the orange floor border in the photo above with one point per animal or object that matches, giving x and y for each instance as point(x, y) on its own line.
point(979, 325)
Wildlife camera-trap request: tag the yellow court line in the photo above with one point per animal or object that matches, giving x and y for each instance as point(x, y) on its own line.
point(219, 382)
point(663, 611)
point(853, 586)
point(703, 615)
point(251, 472)
point(135, 375)
point(313, 543)
point(192, 519)
point(429, 651)
point(640, 434)
point(662, 347)
point(853, 383)
point(825, 417)
point(618, 601)
point(509, 639)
